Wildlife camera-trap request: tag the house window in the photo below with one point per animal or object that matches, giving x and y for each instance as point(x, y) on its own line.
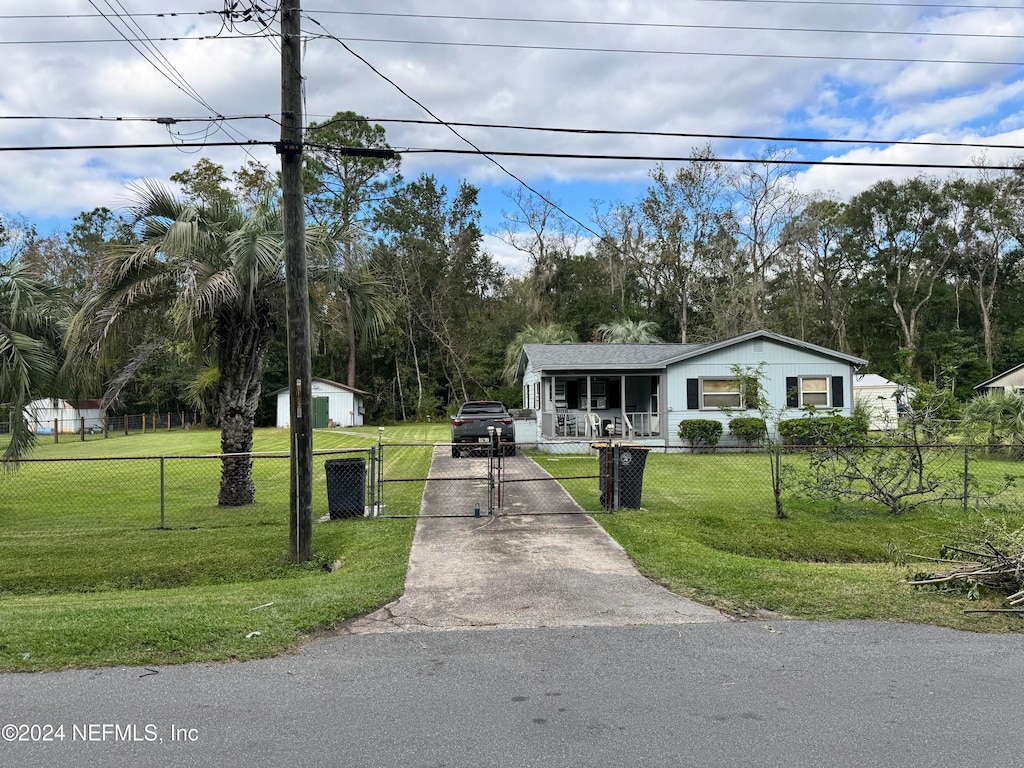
point(814, 391)
point(720, 393)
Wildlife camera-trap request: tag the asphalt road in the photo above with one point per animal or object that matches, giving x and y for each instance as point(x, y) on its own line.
point(719, 694)
point(531, 640)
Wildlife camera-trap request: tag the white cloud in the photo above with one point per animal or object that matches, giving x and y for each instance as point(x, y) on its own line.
point(593, 89)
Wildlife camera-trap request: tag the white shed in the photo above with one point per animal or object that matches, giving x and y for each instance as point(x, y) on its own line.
point(334, 405)
point(880, 397)
point(67, 413)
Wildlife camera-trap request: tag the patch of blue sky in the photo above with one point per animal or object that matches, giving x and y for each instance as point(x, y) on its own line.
point(575, 197)
point(841, 110)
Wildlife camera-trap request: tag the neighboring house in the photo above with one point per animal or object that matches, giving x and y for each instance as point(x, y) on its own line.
point(1009, 381)
point(643, 391)
point(68, 414)
point(883, 399)
point(334, 405)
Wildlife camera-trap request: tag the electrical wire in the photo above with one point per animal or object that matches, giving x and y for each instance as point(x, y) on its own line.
point(487, 153)
point(546, 129)
point(657, 52)
point(698, 159)
point(865, 4)
point(684, 135)
point(169, 73)
point(65, 147)
point(542, 129)
point(137, 119)
point(662, 25)
point(462, 138)
point(182, 38)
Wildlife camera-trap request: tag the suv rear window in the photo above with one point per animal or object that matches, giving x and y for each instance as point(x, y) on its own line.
point(478, 408)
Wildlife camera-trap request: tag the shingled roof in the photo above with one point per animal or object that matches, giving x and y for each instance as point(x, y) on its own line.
point(604, 357)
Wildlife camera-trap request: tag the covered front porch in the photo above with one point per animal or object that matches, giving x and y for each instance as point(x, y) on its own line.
point(574, 406)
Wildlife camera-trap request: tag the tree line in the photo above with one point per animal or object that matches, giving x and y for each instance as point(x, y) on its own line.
point(175, 302)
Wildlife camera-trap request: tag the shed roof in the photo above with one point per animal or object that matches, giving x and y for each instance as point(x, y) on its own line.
point(323, 381)
point(872, 380)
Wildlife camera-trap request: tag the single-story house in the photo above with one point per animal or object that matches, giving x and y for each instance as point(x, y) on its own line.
point(642, 391)
point(334, 405)
point(883, 399)
point(1008, 381)
point(68, 414)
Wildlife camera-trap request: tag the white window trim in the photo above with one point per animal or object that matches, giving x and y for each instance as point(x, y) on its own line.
point(700, 394)
point(828, 391)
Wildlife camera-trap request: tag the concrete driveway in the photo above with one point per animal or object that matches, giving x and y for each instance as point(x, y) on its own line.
point(545, 565)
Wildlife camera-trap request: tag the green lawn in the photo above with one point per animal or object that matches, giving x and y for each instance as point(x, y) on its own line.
point(708, 531)
point(89, 577)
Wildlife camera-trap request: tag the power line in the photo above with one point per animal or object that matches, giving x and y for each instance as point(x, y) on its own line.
point(662, 25)
point(531, 20)
point(168, 71)
point(699, 159)
point(543, 129)
point(556, 48)
point(176, 39)
point(168, 14)
point(66, 147)
point(462, 138)
point(539, 129)
point(138, 119)
point(163, 65)
point(874, 4)
point(684, 135)
point(657, 52)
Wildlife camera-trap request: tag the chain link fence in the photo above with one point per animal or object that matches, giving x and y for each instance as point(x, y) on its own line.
point(103, 424)
point(179, 492)
point(415, 479)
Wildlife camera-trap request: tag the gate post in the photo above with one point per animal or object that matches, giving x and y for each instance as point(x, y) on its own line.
point(500, 458)
point(490, 471)
point(380, 468)
point(162, 492)
point(372, 456)
point(616, 455)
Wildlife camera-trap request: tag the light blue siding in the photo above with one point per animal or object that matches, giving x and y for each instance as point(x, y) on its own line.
point(780, 361)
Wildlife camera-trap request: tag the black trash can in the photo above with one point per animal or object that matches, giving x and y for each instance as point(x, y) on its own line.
point(632, 459)
point(346, 487)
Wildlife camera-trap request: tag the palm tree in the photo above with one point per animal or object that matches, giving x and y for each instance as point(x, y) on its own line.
point(351, 298)
point(32, 323)
point(215, 272)
point(1002, 412)
point(628, 332)
point(533, 334)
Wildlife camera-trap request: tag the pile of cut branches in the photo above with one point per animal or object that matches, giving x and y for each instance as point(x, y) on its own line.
point(991, 569)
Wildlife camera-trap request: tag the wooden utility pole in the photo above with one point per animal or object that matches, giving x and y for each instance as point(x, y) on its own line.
point(300, 370)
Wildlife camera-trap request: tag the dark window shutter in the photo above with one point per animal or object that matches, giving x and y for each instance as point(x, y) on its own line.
point(693, 394)
point(837, 392)
point(792, 392)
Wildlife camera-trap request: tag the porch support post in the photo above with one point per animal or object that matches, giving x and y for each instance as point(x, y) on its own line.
point(622, 404)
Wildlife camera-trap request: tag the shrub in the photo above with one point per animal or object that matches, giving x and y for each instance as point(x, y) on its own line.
point(749, 429)
point(700, 433)
point(819, 430)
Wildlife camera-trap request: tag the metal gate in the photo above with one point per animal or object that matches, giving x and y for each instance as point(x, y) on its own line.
point(427, 480)
point(566, 484)
point(430, 480)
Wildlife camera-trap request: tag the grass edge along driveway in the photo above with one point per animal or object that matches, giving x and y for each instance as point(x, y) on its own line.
point(260, 618)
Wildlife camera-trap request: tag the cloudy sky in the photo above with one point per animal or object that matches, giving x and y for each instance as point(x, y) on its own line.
point(866, 71)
